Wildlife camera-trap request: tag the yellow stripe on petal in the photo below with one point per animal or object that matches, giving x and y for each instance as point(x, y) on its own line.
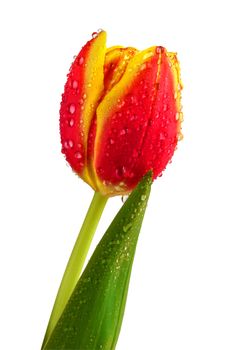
point(178, 86)
point(93, 89)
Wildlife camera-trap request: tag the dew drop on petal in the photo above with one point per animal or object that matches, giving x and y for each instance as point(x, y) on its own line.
point(66, 144)
point(78, 155)
point(120, 171)
point(72, 108)
point(94, 34)
point(74, 84)
point(81, 60)
point(165, 107)
point(71, 122)
point(70, 143)
point(143, 197)
point(180, 136)
point(159, 49)
point(181, 116)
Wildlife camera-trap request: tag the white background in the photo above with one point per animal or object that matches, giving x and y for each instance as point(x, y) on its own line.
point(181, 288)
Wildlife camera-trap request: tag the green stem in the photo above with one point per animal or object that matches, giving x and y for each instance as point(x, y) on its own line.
point(76, 260)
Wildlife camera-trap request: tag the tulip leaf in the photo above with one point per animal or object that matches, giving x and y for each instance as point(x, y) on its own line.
point(93, 315)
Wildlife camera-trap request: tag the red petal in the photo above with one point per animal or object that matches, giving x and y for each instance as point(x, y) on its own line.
point(122, 121)
point(82, 92)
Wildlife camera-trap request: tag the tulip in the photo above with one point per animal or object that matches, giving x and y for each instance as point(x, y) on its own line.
point(120, 118)
point(120, 114)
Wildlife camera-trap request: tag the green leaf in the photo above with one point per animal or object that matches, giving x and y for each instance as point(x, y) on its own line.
point(93, 315)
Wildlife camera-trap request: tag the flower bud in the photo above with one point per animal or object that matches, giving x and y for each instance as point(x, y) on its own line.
point(120, 114)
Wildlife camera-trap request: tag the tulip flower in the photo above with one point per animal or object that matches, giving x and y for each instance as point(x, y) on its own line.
point(120, 114)
point(120, 121)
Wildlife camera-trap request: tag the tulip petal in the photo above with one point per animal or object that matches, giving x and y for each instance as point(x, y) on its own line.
point(121, 123)
point(116, 61)
point(163, 130)
point(84, 88)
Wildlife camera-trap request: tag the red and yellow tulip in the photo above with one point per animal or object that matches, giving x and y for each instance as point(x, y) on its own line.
point(120, 114)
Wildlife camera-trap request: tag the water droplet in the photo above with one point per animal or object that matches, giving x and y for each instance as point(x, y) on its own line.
point(74, 84)
point(81, 60)
point(143, 197)
point(84, 96)
point(122, 132)
point(159, 49)
point(78, 155)
point(133, 117)
point(100, 171)
point(68, 144)
point(94, 34)
point(111, 141)
point(181, 116)
point(74, 57)
point(72, 108)
point(120, 171)
point(71, 122)
point(124, 198)
point(165, 107)
point(89, 84)
point(127, 227)
point(162, 136)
